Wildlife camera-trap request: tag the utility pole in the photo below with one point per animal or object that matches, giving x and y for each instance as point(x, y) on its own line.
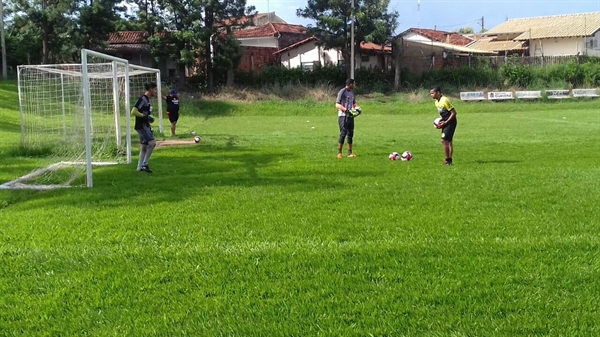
point(3, 42)
point(482, 24)
point(351, 42)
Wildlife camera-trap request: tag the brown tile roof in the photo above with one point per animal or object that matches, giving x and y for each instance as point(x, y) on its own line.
point(493, 45)
point(128, 37)
point(270, 29)
point(573, 25)
point(373, 46)
point(440, 36)
point(297, 44)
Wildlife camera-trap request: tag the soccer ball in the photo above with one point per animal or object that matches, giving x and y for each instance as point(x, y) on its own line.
point(436, 122)
point(193, 133)
point(394, 156)
point(197, 139)
point(406, 156)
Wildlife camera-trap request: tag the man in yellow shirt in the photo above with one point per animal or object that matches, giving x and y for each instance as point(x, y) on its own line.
point(448, 122)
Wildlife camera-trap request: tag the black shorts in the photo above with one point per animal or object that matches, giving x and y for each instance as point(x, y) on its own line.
point(173, 116)
point(346, 123)
point(448, 131)
point(145, 134)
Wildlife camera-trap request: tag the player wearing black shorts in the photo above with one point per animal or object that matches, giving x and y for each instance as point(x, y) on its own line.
point(345, 104)
point(142, 110)
point(173, 109)
point(448, 123)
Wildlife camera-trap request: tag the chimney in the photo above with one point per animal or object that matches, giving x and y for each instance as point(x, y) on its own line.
point(447, 39)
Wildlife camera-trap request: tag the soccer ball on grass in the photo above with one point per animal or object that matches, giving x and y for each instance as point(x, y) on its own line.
point(197, 139)
point(406, 156)
point(394, 156)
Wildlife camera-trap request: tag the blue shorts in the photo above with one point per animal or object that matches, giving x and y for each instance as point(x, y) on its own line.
point(146, 134)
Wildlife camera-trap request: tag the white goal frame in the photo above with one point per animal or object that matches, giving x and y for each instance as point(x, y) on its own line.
point(129, 70)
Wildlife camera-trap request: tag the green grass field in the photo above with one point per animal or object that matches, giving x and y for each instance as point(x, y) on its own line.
point(261, 231)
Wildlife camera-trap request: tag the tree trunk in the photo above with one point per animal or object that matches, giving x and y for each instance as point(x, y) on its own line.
point(230, 76)
point(347, 63)
point(397, 53)
point(4, 67)
point(208, 24)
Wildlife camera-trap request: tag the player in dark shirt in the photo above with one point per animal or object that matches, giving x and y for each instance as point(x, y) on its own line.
point(173, 109)
point(142, 110)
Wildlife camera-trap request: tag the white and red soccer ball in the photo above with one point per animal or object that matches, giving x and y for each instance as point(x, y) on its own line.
point(405, 156)
point(437, 121)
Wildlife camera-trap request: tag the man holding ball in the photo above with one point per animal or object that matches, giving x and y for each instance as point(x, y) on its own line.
point(142, 111)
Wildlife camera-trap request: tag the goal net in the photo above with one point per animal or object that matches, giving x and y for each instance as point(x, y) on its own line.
point(77, 116)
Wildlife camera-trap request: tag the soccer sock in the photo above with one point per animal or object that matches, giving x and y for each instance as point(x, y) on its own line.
point(449, 160)
point(142, 156)
point(149, 153)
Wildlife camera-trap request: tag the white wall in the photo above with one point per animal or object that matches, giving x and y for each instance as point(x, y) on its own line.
point(557, 46)
point(269, 42)
point(412, 36)
point(310, 52)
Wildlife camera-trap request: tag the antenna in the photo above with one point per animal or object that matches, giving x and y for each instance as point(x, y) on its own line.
point(419, 12)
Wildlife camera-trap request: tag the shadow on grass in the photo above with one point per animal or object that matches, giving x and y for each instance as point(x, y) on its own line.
point(209, 108)
point(179, 173)
point(497, 161)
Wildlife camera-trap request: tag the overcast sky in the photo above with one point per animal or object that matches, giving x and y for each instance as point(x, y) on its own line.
point(448, 15)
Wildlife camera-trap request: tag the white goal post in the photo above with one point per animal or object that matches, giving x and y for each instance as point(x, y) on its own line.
point(78, 116)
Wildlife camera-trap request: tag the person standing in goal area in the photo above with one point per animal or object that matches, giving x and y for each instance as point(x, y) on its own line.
point(172, 110)
point(142, 111)
point(346, 103)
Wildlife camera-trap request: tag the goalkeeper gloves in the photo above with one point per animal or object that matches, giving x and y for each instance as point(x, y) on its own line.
point(355, 112)
point(150, 118)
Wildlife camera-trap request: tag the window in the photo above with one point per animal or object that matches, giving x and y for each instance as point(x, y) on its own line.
point(364, 58)
point(171, 72)
point(310, 65)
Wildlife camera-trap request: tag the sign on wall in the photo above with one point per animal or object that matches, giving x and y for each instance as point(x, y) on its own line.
point(585, 93)
point(528, 94)
point(557, 94)
point(500, 95)
point(472, 96)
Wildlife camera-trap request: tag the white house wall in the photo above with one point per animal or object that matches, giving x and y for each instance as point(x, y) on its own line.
point(558, 46)
point(268, 42)
point(310, 52)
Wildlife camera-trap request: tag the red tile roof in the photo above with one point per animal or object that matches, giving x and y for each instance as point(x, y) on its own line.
point(440, 36)
point(128, 37)
point(297, 44)
point(270, 29)
point(373, 46)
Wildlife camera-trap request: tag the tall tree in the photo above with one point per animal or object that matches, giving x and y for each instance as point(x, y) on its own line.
point(96, 20)
point(333, 23)
point(53, 19)
point(228, 14)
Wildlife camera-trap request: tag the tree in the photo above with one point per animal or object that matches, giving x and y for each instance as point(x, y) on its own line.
point(333, 23)
point(97, 19)
point(228, 13)
point(466, 30)
point(53, 20)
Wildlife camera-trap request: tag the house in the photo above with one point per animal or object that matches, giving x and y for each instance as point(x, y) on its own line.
point(134, 47)
point(502, 47)
point(260, 43)
point(308, 53)
point(425, 49)
point(560, 35)
point(432, 35)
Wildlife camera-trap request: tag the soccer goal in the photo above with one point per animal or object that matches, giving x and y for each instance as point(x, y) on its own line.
point(77, 116)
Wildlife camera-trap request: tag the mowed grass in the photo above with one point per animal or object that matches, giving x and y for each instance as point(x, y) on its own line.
point(261, 231)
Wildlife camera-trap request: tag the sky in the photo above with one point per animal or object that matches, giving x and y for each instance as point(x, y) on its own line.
point(447, 15)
